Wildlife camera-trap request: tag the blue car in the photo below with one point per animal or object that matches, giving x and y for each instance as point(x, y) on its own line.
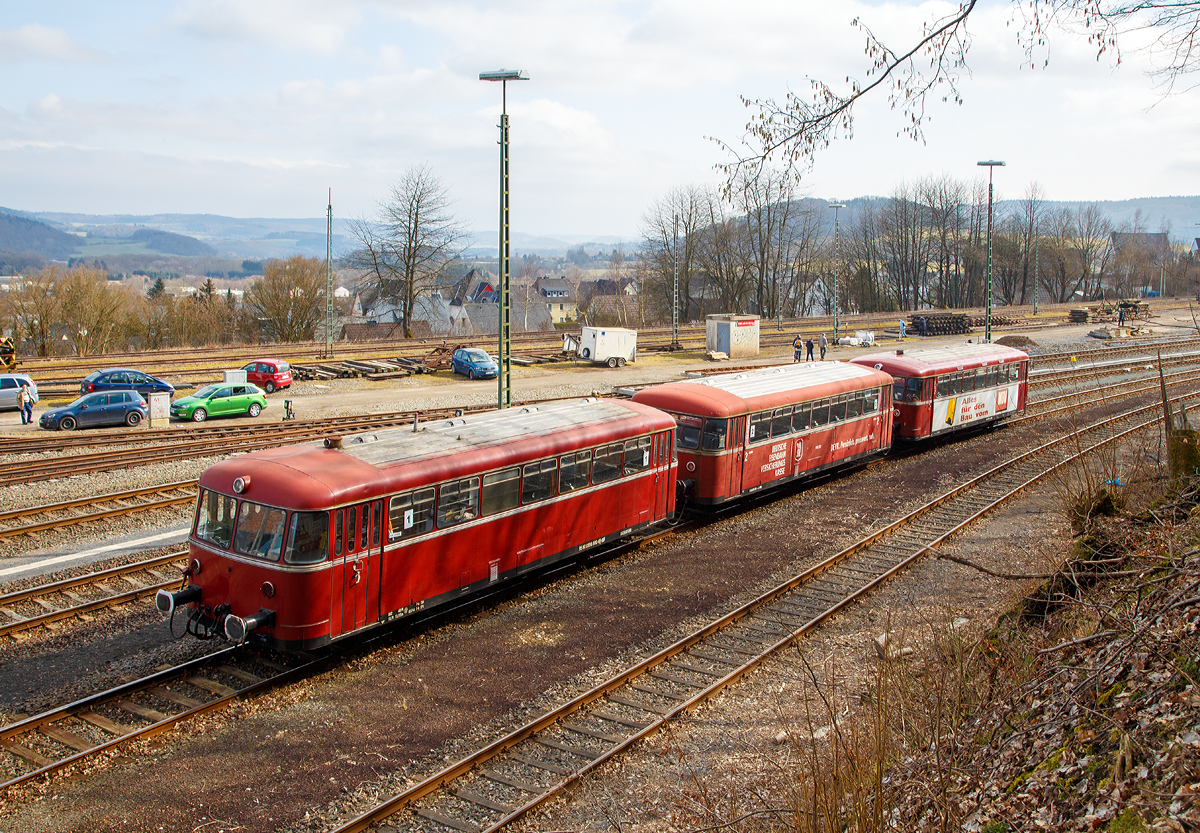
point(473, 363)
point(122, 407)
point(124, 378)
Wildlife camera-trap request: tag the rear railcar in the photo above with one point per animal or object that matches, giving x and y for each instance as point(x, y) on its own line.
point(739, 433)
point(952, 388)
point(298, 546)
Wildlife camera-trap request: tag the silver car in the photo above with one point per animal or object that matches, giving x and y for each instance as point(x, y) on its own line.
point(10, 386)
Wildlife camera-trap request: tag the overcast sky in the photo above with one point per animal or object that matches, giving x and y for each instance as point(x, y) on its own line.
point(253, 108)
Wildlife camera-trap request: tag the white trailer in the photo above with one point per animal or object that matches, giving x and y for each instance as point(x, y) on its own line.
point(613, 346)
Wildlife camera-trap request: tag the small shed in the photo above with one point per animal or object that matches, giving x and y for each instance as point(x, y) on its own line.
point(734, 335)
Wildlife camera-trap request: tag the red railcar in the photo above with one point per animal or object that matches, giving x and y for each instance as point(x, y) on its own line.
point(297, 546)
point(742, 432)
point(952, 388)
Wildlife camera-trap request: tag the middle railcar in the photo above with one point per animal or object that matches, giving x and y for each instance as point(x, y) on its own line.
point(297, 546)
point(742, 432)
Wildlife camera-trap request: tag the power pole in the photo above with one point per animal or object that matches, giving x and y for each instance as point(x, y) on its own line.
point(329, 277)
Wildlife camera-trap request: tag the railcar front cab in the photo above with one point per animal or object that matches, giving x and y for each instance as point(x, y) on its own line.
point(269, 534)
point(927, 405)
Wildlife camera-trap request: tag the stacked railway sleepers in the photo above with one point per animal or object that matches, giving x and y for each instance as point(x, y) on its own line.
point(940, 323)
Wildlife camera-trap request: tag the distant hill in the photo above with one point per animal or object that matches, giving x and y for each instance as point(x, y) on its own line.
point(24, 234)
point(172, 244)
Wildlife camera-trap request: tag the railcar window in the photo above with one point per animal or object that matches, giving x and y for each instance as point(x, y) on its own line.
point(943, 386)
point(259, 530)
point(968, 381)
point(781, 422)
point(574, 471)
point(871, 401)
point(898, 390)
point(760, 427)
point(802, 417)
point(364, 528)
point(337, 534)
point(351, 525)
point(458, 502)
point(992, 377)
point(376, 522)
point(410, 514)
point(214, 522)
point(687, 431)
point(912, 390)
point(714, 434)
point(637, 455)
point(501, 490)
point(854, 404)
point(837, 409)
point(308, 538)
point(820, 413)
point(538, 480)
point(608, 463)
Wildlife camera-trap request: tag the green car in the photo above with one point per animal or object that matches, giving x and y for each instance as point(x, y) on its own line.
point(220, 400)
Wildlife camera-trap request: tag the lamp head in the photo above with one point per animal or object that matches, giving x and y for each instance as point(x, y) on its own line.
point(504, 75)
point(991, 163)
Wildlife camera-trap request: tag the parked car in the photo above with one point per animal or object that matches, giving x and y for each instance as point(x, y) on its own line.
point(473, 363)
point(10, 386)
point(220, 400)
point(122, 407)
point(269, 374)
point(124, 378)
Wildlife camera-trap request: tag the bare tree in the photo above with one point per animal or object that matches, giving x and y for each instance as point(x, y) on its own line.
point(37, 308)
point(414, 243)
point(91, 309)
point(791, 132)
point(670, 245)
point(289, 299)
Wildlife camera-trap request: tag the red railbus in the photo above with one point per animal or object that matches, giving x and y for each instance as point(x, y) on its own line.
point(295, 547)
point(952, 388)
point(742, 432)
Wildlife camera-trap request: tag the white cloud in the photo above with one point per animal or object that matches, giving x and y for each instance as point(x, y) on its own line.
point(294, 25)
point(35, 41)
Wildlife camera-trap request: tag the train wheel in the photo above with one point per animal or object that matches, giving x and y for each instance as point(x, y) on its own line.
point(132, 419)
point(66, 424)
point(612, 361)
point(255, 409)
point(199, 415)
point(269, 387)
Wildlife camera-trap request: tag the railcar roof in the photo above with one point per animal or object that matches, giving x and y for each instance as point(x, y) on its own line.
point(944, 358)
point(496, 428)
point(767, 387)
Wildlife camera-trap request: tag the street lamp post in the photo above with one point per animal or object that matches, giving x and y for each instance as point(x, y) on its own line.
point(835, 206)
point(987, 315)
point(504, 359)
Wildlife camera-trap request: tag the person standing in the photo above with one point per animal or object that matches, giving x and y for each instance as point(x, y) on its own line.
point(902, 329)
point(809, 345)
point(797, 346)
point(25, 400)
point(823, 344)
point(923, 330)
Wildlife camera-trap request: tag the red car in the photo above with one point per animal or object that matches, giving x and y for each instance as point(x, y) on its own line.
point(269, 374)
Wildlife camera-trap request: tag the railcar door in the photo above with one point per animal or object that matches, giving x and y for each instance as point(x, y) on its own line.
point(662, 474)
point(737, 455)
point(360, 570)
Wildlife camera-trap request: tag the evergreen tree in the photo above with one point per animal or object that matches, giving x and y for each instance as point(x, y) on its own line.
point(157, 290)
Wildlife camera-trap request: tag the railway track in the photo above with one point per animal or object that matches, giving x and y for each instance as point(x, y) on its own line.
point(14, 522)
point(501, 782)
point(70, 598)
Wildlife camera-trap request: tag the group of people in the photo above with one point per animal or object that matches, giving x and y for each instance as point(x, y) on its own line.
point(799, 345)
